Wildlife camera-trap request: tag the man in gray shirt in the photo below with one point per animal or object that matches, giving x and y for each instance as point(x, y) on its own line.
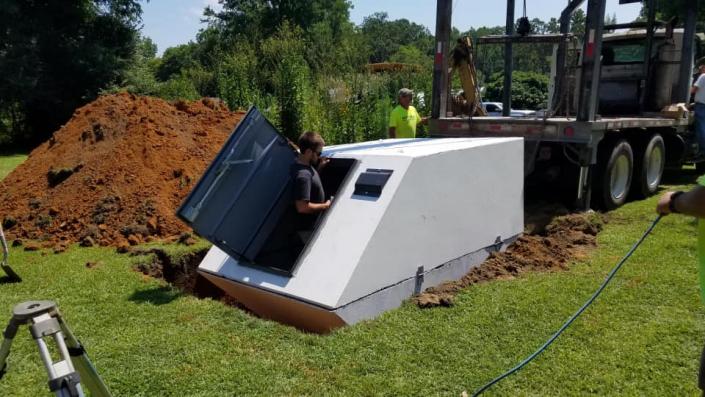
point(699, 91)
point(309, 197)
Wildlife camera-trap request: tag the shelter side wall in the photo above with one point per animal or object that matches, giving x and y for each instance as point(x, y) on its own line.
point(448, 205)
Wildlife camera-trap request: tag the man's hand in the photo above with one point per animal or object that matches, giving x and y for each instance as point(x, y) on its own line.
point(663, 204)
point(322, 163)
point(690, 203)
point(424, 121)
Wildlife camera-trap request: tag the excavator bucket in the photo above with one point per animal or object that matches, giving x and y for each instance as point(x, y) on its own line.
point(5, 264)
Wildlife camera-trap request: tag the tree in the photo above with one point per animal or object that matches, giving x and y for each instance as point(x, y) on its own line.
point(261, 19)
point(411, 55)
point(140, 77)
point(665, 10)
point(538, 26)
point(489, 58)
point(384, 37)
point(57, 55)
point(577, 23)
point(290, 76)
point(324, 24)
point(553, 26)
point(177, 59)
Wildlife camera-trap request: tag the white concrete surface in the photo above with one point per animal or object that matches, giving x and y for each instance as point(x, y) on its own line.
point(446, 198)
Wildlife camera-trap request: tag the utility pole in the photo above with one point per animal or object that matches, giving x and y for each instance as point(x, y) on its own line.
point(439, 102)
point(591, 65)
point(508, 62)
point(682, 94)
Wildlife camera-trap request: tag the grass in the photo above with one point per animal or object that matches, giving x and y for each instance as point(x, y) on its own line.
point(9, 162)
point(641, 337)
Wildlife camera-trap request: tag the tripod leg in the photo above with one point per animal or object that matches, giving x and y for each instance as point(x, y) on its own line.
point(64, 381)
point(9, 335)
point(89, 376)
point(4, 262)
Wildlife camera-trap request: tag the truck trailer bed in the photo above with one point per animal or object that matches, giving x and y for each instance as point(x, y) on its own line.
point(555, 129)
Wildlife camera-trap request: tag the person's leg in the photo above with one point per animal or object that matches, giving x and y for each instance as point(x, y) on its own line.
point(700, 126)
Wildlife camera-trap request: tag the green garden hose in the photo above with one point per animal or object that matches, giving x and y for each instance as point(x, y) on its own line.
point(574, 316)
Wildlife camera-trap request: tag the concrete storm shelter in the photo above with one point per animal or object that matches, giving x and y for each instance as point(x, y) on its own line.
point(407, 214)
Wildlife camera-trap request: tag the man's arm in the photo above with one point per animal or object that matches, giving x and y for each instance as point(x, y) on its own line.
point(690, 203)
point(699, 82)
point(302, 202)
point(307, 207)
point(392, 132)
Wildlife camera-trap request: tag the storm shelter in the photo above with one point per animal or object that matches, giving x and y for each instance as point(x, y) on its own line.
point(407, 214)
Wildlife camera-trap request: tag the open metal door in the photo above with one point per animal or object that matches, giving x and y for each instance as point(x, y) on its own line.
point(242, 194)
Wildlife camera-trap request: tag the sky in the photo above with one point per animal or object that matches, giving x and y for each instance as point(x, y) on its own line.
point(172, 22)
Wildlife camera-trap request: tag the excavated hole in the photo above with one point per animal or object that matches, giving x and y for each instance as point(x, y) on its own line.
point(181, 272)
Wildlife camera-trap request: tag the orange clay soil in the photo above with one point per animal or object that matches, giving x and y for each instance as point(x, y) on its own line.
point(543, 247)
point(116, 173)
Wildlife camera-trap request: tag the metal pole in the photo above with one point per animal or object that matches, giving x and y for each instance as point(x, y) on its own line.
point(646, 80)
point(591, 65)
point(508, 62)
point(444, 10)
point(682, 93)
point(559, 85)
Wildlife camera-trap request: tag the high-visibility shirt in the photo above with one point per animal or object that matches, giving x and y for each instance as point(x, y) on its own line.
point(404, 121)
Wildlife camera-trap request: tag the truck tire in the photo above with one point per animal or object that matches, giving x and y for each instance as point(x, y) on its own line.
point(613, 177)
point(648, 167)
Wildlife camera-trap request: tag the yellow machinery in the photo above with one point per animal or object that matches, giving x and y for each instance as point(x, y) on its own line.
point(462, 61)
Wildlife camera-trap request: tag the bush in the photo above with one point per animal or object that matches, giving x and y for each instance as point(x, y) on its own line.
point(180, 87)
point(204, 81)
point(529, 90)
point(237, 79)
point(356, 107)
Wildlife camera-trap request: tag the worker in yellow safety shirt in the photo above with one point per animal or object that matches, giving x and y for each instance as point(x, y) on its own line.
point(404, 117)
point(691, 203)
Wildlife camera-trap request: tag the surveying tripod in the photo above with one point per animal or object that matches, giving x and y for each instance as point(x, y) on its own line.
point(44, 320)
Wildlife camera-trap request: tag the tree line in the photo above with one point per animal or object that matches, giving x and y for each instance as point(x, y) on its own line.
point(302, 63)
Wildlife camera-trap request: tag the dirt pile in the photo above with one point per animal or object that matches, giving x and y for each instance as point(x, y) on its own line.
point(115, 173)
point(546, 246)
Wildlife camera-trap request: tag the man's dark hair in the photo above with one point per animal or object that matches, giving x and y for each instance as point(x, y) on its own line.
point(310, 140)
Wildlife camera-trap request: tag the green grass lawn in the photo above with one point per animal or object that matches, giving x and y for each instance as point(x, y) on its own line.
point(641, 337)
point(9, 162)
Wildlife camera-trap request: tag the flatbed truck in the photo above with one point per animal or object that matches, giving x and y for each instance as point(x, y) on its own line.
point(602, 137)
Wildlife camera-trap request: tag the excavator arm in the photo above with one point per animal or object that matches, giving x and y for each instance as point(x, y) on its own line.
point(462, 61)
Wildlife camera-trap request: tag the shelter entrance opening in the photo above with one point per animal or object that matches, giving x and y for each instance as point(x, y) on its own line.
point(290, 237)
